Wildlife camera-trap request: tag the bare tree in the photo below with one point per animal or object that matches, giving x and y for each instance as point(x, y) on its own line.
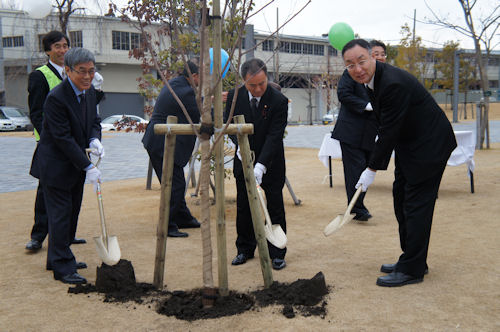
point(65, 8)
point(482, 31)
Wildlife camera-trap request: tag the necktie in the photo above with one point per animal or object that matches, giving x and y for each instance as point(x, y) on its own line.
point(253, 106)
point(83, 107)
point(370, 93)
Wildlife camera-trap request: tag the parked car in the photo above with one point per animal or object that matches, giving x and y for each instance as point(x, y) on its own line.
point(121, 122)
point(17, 117)
point(6, 124)
point(331, 116)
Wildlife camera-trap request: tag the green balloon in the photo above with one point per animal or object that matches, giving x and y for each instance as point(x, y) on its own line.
point(340, 34)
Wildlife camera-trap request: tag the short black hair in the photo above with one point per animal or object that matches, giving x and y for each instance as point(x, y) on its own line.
point(356, 42)
point(252, 67)
point(375, 42)
point(51, 38)
point(193, 68)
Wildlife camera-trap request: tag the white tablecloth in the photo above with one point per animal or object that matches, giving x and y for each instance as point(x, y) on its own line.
point(463, 153)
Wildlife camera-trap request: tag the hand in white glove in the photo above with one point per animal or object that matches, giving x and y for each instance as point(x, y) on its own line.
point(238, 154)
point(259, 170)
point(366, 179)
point(97, 148)
point(94, 176)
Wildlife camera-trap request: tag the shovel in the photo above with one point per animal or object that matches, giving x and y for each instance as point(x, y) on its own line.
point(107, 246)
point(342, 219)
point(274, 233)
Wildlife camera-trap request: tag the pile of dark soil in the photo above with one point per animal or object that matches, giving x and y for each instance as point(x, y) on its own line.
point(118, 284)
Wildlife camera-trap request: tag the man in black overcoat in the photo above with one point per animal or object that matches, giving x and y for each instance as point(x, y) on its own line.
point(180, 216)
point(267, 109)
point(411, 124)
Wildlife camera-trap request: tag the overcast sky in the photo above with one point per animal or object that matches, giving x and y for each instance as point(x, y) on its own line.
point(380, 19)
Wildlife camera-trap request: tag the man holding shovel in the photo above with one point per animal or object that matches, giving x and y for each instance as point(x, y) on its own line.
point(267, 109)
point(70, 125)
point(180, 216)
point(40, 82)
point(411, 124)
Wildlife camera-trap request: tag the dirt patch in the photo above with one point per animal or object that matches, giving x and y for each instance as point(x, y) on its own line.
point(118, 285)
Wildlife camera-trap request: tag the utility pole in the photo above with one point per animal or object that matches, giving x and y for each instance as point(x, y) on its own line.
point(277, 51)
point(456, 67)
point(2, 70)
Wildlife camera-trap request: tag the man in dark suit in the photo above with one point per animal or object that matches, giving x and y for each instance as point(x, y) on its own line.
point(180, 216)
point(356, 128)
point(70, 125)
point(411, 124)
point(267, 109)
point(40, 82)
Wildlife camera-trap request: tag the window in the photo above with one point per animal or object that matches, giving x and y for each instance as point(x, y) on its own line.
point(295, 48)
point(332, 51)
point(268, 45)
point(40, 43)
point(307, 49)
point(123, 40)
point(319, 49)
point(75, 38)
point(285, 47)
point(17, 41)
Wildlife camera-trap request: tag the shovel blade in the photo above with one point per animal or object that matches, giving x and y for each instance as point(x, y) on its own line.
point(110, 255)
point(337, 223)
point(276, 235)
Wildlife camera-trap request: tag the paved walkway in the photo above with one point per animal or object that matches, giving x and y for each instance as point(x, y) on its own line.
point(126, 158)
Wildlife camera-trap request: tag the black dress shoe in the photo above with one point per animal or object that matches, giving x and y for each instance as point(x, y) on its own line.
point(74, 278)
point(176, 233)
point(33, 245)
point(389, 268)
point(396, 279)
point(78, 241)
point(193, 223)
point(278, 263)
point(241, 259)
point(79, 266)
point(362, 216)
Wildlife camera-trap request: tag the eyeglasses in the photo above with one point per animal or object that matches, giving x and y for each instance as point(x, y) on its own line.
point(91, 72)
point(352, 66)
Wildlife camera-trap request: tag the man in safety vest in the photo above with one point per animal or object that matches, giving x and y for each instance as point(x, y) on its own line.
point(40, 82)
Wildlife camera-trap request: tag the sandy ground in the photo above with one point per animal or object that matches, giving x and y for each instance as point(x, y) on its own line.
point(461, 291)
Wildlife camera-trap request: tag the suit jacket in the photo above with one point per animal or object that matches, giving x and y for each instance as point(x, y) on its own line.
point(166, 105)
point(38, 89)
point(354, 126)
point(410, 123)
point(59, 159)
point(269, 127)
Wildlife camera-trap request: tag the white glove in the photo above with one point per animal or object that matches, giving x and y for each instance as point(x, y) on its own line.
point(94, 176)
point(259, 170)
point(97, 148)
point(366, 179)
point(238, 154)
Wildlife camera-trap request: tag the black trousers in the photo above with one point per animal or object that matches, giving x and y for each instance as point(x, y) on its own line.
point(414, 207)
point(355, 161)
point(63, 208)
point(179, 212)
point(40, 228)
point(245, 242)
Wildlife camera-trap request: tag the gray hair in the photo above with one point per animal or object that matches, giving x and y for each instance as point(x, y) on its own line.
point(78, 55)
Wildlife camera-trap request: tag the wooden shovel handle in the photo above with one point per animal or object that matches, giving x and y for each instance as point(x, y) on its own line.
point(353, 201)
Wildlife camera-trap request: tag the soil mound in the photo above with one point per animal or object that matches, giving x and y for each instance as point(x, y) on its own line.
point(118, 284)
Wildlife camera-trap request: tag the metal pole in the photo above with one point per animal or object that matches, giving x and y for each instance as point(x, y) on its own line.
point(456, 66)
point(2, 71)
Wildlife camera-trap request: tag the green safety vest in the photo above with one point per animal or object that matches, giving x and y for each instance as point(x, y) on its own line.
point(53, 81)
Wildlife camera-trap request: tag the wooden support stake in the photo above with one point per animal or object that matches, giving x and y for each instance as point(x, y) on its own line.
point(166, 192)
point(253, 201)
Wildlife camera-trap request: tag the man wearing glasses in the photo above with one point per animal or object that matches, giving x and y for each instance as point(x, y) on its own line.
point(355, 129)
point(40, 82)
point(70, 125)
point(411, 124)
